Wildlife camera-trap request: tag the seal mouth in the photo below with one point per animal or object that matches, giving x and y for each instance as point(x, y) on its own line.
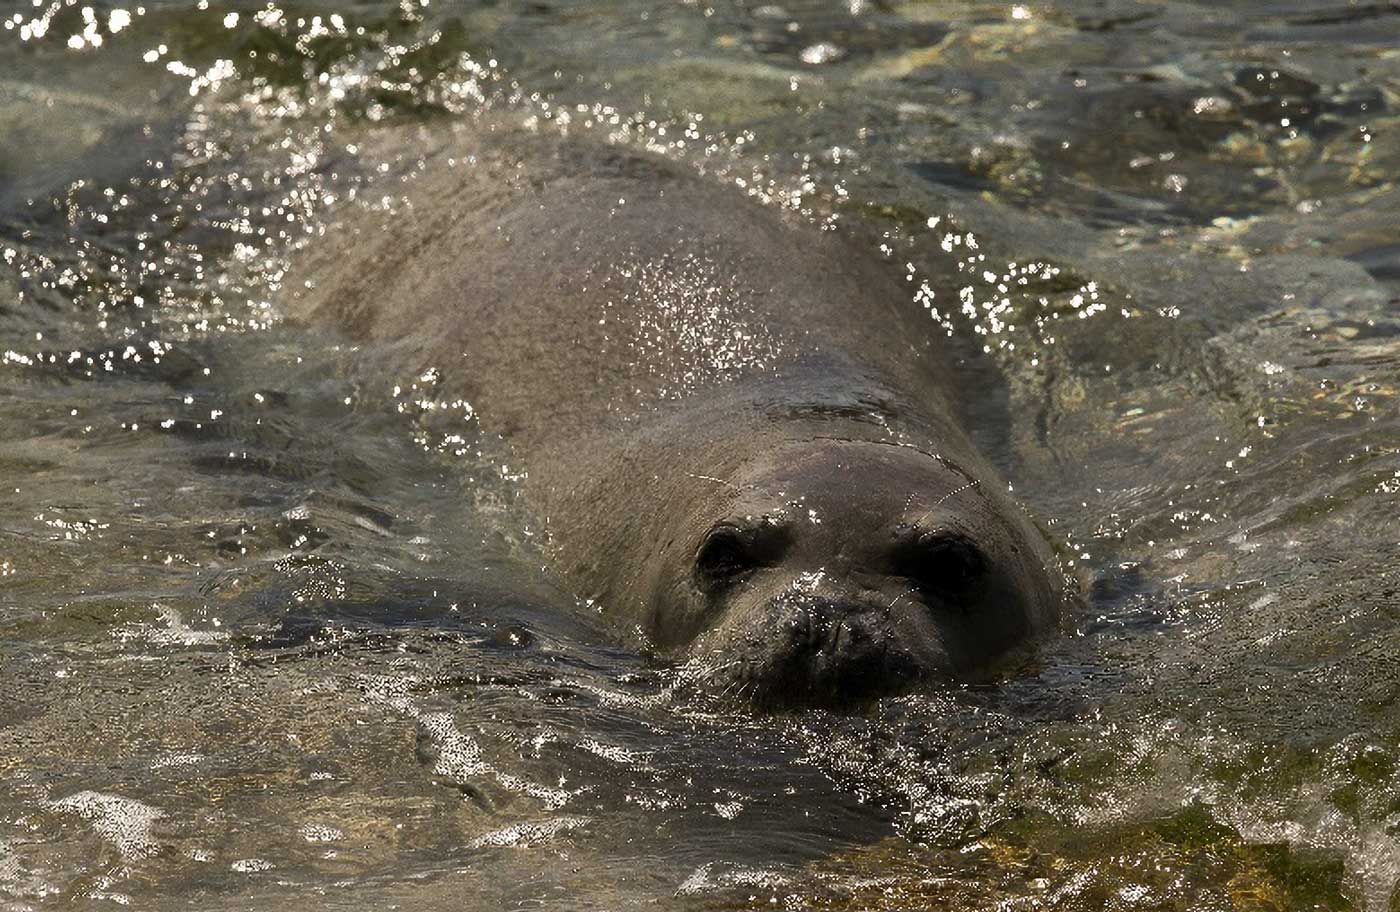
point(819, 652)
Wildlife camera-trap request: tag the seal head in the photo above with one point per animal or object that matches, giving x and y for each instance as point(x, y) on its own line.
point(836, 571)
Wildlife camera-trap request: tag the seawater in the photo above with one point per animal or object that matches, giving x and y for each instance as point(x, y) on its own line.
point(274, 627)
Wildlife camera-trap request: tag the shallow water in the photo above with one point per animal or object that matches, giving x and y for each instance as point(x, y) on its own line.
point(273, 627)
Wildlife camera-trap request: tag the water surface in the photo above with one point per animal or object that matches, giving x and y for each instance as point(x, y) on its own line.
point(275, 629)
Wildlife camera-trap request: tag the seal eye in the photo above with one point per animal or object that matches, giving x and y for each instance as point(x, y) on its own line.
point(945, 567)
point(725, 555)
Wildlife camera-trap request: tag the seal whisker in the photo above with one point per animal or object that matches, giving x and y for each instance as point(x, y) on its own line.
point(714, 671)
point(976, 482)
point(909, 590)
point(721, 481)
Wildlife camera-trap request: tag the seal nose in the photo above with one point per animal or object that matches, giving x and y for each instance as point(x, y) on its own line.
point(833, 651)
point(818, 623)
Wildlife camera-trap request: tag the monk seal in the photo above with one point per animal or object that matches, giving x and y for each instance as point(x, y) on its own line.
point(741, 433)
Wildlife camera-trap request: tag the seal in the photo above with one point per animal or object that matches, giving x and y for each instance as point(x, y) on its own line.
point(741, 433)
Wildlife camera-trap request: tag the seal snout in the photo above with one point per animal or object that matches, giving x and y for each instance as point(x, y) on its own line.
point(832, 651)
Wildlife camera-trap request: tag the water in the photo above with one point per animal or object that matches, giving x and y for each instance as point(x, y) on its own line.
point(273, 627)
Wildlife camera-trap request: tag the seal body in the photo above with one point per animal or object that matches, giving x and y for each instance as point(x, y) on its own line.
point(740, 431)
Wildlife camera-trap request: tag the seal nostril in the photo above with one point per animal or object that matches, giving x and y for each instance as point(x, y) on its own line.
point(945, 567)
